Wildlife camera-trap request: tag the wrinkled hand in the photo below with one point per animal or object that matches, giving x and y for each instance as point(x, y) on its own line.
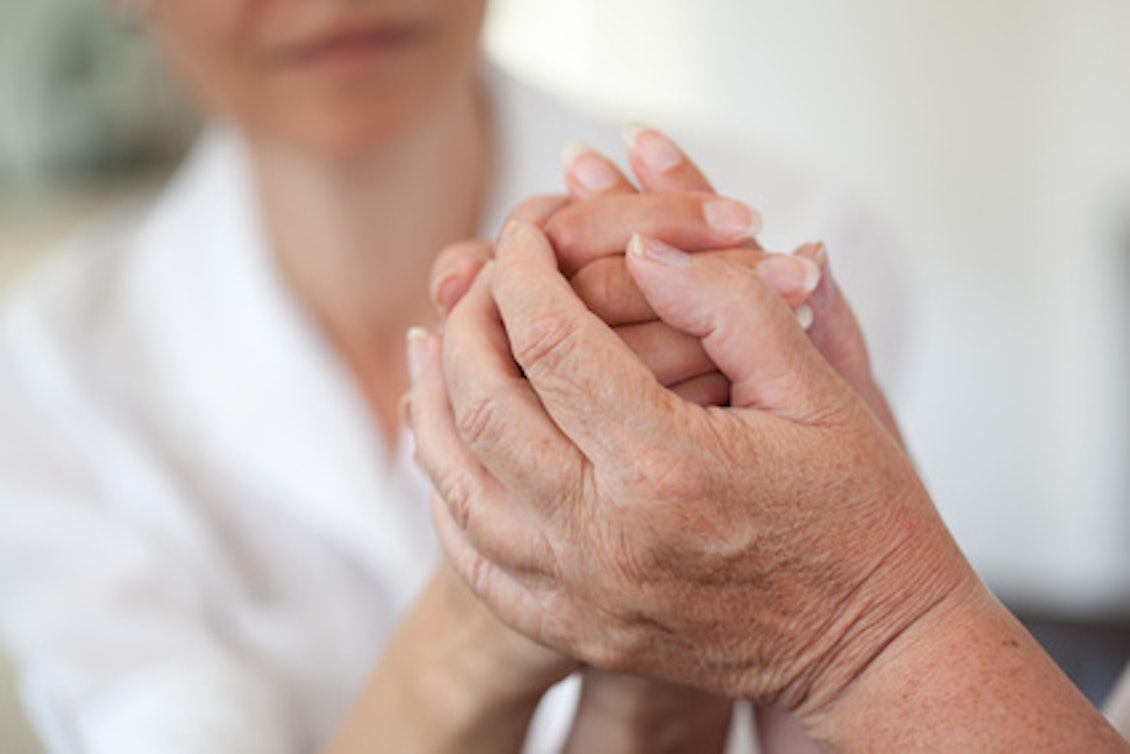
point(661, 166)
point(590, 234)
point(590, 231)
point(766, 551)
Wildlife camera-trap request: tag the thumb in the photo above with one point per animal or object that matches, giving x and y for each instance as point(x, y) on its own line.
point(745, 327)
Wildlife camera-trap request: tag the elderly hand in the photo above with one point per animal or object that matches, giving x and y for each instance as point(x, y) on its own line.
point(622, 712)
point(591, 229)
point(781, 549)
point(742, 550)
point(590, 234)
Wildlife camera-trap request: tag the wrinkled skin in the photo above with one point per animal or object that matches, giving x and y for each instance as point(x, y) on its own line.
point(779, 548)
point(663, 485)
point(590, 233)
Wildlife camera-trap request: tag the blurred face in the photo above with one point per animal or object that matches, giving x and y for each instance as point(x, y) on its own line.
point(330, 76)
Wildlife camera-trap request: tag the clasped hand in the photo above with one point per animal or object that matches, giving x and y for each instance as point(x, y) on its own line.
point(765, 549)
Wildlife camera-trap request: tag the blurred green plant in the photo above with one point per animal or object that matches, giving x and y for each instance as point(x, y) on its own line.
point(82, 96)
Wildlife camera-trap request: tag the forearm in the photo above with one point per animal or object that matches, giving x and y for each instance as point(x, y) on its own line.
point(626, 714)
point(966, 677)
point(424, 712)
point(451, 680)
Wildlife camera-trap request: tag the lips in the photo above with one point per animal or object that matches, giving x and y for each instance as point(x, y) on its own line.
point(356, 44)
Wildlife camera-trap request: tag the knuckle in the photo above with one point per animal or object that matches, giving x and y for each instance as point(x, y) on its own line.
point(457, 492)
point(477, 423)
point(671, 477)
point(545, 342)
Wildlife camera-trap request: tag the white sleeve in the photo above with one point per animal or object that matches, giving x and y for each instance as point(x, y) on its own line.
point(111, 631)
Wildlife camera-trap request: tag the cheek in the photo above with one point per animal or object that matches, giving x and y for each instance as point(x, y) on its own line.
point(208, 45)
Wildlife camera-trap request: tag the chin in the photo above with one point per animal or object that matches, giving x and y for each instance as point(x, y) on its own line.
point(351, 121)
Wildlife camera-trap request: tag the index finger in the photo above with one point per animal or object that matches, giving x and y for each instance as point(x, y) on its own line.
point(593, 387)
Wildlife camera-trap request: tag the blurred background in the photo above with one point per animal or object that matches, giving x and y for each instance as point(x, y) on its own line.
point(995, 136)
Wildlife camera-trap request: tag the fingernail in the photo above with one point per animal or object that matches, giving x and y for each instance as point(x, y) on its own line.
point(788, 274)
point(730, 218)
point(805, 316)
point(406, 412)
point(417, 351)
point(511, 227)
point(657, 151)
point(657, 251)
point(447, 293)
point(825, 290)
point(820, 255)
point(588, 167)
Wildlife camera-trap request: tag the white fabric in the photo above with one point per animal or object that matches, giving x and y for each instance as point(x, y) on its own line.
point(203, 542)
point(1117, 706)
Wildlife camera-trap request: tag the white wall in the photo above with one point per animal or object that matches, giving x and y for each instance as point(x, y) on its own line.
point(996, 133)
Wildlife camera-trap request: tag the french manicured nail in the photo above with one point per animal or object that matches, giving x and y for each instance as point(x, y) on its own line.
point(729, 218)
point(788, 274)
point(657, 151)
point(588, 167)
point(417, 351)
point(657, 251)
point(820, 254)
point(825, 291)
point(805, 316)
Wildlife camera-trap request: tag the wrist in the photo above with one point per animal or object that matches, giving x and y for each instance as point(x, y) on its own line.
point(967, 676)
point(906, 658)
point(628, 714)
point(464, 664)
point(455, 706)
point(918, 575)
point(460, 679)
